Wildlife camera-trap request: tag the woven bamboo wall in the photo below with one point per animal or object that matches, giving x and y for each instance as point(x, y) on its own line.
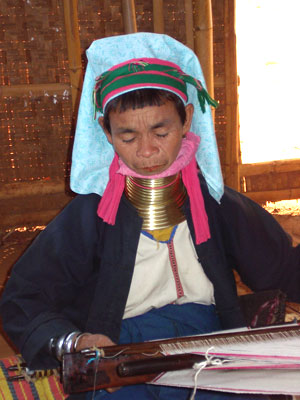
point(37, 118)
point(99, 19)
point(272, 181)
point(37, 121)
point(35, 111)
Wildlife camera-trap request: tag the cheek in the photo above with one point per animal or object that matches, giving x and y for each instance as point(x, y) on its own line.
point(124, 152)
point(174, 148)
point(118, 145)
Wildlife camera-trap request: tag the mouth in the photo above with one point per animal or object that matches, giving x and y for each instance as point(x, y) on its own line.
point(152, 168)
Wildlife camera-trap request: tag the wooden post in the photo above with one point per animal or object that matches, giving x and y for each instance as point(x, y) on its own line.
point(129, 20)
point(204, 40)
point(158, 16)
point(74, 51)
point(189, 23)
point(232, 177)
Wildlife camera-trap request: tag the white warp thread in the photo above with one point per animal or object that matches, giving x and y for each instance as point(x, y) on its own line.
point(200, 366)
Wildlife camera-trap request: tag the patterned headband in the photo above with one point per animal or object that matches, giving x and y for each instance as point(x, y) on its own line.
point(151, 73)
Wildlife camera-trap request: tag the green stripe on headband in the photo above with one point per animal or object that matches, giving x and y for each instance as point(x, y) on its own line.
point(137, 66)
point(140, 79)
point(132, 74)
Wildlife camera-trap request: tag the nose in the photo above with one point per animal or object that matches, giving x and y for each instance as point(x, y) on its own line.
point(146, 147)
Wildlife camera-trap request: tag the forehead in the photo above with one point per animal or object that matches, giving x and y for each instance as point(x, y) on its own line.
point(163, 114)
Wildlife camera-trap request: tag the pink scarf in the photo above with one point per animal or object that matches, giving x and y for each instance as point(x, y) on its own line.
point(185, 162)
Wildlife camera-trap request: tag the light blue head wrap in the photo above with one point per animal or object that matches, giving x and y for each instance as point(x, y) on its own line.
point(92, 154)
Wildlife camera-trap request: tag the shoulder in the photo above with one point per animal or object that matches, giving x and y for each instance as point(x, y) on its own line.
point(231, 199)
point(238, 214)
point(83, 201)
point(79, 215)
point(82, 204)
point(236, 209)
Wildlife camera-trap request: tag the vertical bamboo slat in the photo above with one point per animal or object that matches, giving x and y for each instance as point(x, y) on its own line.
point(204, 40)
point(129, 20)
point(74, 52)
point(189, 25)
point(158, 16)
point(232, 134)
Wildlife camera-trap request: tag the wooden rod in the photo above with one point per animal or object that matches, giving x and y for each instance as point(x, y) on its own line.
point(36, 89)
point(204, 40)
point(219, 82)
point(274, 195)
point(129, 20)
point(232, 140)
point(74, 50)
point(158, 16)
point(33, 217)
point(33, 188)
point(272, 166)
point(189, 23)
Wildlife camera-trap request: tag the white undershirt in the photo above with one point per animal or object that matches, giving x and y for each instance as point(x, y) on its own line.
point(159, 280)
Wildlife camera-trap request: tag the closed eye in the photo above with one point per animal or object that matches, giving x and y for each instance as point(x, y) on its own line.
point(161, 135)
point(128, 140)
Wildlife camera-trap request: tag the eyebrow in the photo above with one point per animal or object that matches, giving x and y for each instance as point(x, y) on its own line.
point(125, 130)
point(161, 124)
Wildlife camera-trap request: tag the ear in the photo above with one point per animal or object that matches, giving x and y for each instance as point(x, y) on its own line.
point(106, 132)
point(189, 111)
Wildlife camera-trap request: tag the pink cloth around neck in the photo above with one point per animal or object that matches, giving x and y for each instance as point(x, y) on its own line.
point(185, 162)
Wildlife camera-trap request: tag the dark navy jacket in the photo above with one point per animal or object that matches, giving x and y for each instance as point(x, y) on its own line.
point(77, 273)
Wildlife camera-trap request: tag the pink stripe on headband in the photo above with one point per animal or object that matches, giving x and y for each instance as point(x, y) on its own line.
point(147, 60)
point(130, 88)
point(143, 73)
